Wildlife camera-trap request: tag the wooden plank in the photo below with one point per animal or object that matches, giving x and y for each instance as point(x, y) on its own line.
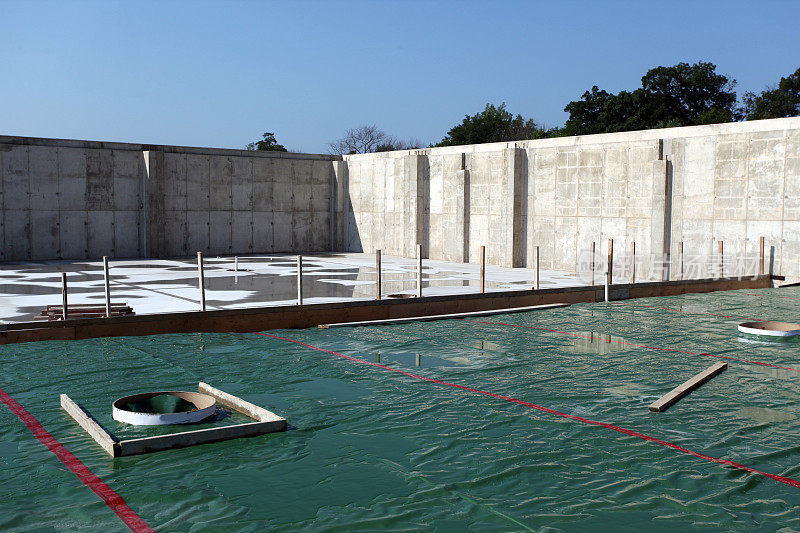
point(244, 320)
point(244, 407)
point(443, 317)
point(84, 306)
point(664, 403)
point(105, 439)
point(200, 436)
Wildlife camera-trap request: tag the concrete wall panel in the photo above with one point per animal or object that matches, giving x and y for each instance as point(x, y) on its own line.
point(198, 225)
point(263, 232)
point(100, 234)
point(73, 235)
point(220, 236)
point(126, 234)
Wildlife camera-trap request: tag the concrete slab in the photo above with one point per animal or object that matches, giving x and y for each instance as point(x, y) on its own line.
point(170, 285)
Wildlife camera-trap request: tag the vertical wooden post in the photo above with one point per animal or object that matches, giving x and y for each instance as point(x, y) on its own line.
point(681, 252)
point(633, 262)
point(236, 263)
point(299, 280)
point(536, 286)
point(593, 263)
point(605, 285)
point(201, 282)
point(761, 256)
point(419, 271)
point(108, 287)
point(377, 274)
point(771, 260)
point(483, 269)
point(64, 306)
point(609, 275)
point(721, 264)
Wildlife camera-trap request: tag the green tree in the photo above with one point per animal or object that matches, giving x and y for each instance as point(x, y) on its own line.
point(782, 101)
point(493, 124)
point(680, 95)
point(266, 144)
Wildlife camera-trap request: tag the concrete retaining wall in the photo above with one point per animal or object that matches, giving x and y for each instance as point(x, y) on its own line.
point(694, 186)
point(658, 188)
point(81, 199)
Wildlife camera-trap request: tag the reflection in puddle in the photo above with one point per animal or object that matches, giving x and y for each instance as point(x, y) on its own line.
point(627, 389)
point(415, 359)
point(763, 415)
point(599, 343)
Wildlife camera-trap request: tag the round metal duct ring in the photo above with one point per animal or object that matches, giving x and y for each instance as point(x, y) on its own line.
point(164, 407)
point(770, 328)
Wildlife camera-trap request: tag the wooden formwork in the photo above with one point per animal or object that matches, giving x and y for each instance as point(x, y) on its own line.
point(265, 422)
point(311, 315)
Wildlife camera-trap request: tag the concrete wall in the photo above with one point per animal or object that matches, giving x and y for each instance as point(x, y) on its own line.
point(658, 188)
point(82, 199)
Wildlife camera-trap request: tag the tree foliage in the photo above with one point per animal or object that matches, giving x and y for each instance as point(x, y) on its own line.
point(360, 140)
point(680, 95)
point(782, 101)
point(369, 138)
point(493, 124)
point(266, 144)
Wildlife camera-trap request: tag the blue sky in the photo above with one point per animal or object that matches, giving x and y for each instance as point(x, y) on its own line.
point(220, 73)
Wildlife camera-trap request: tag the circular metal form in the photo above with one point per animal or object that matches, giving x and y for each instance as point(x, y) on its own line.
point(770, 329)
point(164, 407)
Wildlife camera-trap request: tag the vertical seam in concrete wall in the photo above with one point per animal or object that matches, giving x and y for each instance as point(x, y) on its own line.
point(29, 226)
point(59, 252)
point(746, 193)
point(144, 206)
point(332, 209)
point(114, 221)
point(3, 246)
point(783, 198)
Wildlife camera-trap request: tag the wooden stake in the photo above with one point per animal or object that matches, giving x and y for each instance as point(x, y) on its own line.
point(633, 262)
point(610, 261)
point(419, 271)
point(664, 403)
point(721, 265)
point(761, 256)
point(201, 281)
point(64, 306)
point(483, 269)
point(681, 260)
point(108, 287)
point(377, 274)
point(299, 280)
point(537, 269)
point(592, 263)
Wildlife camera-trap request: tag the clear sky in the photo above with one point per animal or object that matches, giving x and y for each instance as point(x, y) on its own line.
point(220, 73)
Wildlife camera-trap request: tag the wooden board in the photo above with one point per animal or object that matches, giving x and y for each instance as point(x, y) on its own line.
point(200, 436)
point(105, 439)
point(267, 422)
point(443, 317)
point(664, 403)
point(244, 407)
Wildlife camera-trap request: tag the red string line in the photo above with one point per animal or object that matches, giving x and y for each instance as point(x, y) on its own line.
point(106, 493)
point(782, 479)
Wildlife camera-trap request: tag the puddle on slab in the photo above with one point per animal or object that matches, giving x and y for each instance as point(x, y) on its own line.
point(598, 343)
point(627, 389)
point(764, 415)
point(416, 360)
